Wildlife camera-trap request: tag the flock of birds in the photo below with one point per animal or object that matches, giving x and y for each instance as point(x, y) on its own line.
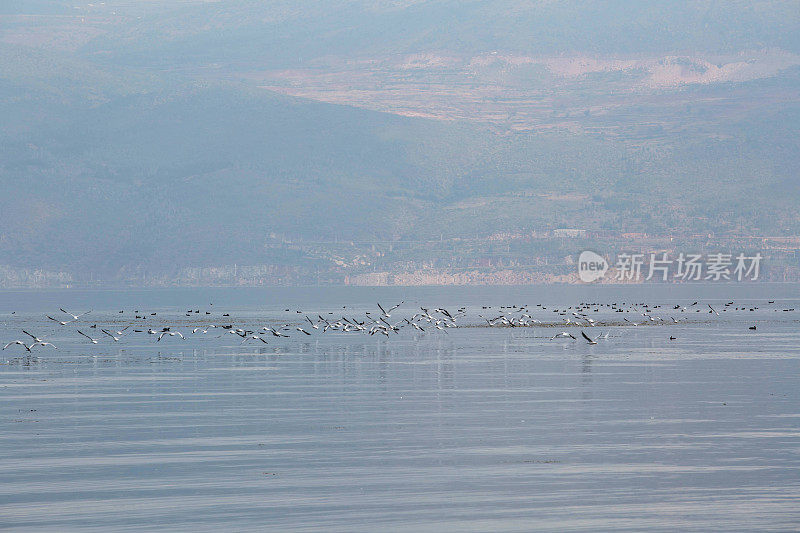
point(578, 316)
point(380, 322)
point(372, 323)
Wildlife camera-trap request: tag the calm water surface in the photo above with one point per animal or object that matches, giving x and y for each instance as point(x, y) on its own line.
point(475, 429)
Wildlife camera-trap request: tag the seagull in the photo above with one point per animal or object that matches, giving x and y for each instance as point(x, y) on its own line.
point(255, 338)
point(396, 306)
point(44, 344)
point(383, 330)
point(563, 334)
point(121, 332)
point(483, 317)
point(301, 330)
point(274, 332)
point(93, 341)
point(63, 323)
point(712, 309)
point(171, 334)
point(36, 339)
point(444, 312)
point(116, 339)
point(588, 339)
point(17, 342)
point(75, 317)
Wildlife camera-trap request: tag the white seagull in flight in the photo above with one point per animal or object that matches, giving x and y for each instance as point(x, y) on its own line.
point(62, 322)
point(74, 317)
point(171, 334)
point(17, 342)
point(93, 341)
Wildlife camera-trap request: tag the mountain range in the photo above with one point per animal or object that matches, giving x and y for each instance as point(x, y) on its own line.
point(142, 138)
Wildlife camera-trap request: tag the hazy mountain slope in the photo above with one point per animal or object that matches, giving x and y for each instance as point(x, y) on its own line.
point(203, 174)
point(126, 149)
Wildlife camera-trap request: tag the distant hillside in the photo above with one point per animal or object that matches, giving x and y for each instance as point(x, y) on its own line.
point(126, 151)
point(200, 174)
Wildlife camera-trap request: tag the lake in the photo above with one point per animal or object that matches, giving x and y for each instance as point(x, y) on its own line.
point(688, 421)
